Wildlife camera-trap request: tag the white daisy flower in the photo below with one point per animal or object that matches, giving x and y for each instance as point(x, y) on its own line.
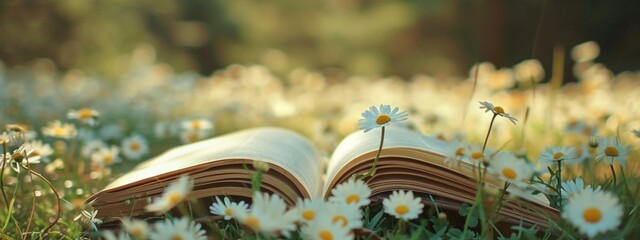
point(106, 156)
point(558, 154)
point(308, 209)
point(612, 150)
point(134, 147)
point(91, 147)
point(109, 235)
point(5, 138)
point(59, 130)
point(347, 215)
point(510, 168)
point(178, 228)
point(200, 124)
point(86, 116)
point(497, 110)
point(636, 132)
point(187, 136)
point(40, 150)
point(593, 212)
point(90, 218)
point(323, 228)
point(571, 188)
point(455, 153)
point(352, 191)
point(227, 208)
point(403, 205)
point(473, 154)
point(136, 228)
point(268, 214)
point(374, 118)
point(173, 194)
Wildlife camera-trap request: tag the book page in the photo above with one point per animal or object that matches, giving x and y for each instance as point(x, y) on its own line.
point(400, 142)
point(360, 142)
point(280, 147)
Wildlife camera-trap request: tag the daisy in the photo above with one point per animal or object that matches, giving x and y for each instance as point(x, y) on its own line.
point(374, 118)
point(109, 235)
point(227, 208)
point(558, 154)
point(106, 156)
point(92, 146)
point(187, 136)
point(173, 194)
point(178, 228)
point(86, 116)
point(308, 209)
point(593, 212)
point(90, 218)
point(352, 191)
point(455, 152)
point(510, 168)
point(5, 138)
point(571, 188)
point(200, 124)
point(268, 214)
point(59, 130)
point(612, 149)
point(136, 228)
point(403, 205)
point(134, 147)
point(497, 110)
point(347, 215)
point(40, 150)
point(323, 228)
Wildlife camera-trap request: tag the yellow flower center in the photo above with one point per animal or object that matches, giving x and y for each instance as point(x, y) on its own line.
point(498, 110)
point(383, 118)
point(308, 215)
point(592, 215)
point(59, 131)
point(476, 155)
point(135, 146)
point(353, 198)
point(340, 218)
point(325, 235)
point(192, 137)
point(611, 151)
point(85, 113)
point(460, 151)
point(108, 159)
point(196, 124)
point(137, 232)
point(558, 156)
point(252, 222)
point(228, 212)
point(402, 209)
point(509, 173)
point(174, 198)
point(177, 237)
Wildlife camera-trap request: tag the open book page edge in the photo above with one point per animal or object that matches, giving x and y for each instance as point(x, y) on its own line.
point(360, 146)
point(281, 147)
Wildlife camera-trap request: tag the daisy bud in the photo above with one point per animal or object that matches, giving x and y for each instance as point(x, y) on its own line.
point(442, 216)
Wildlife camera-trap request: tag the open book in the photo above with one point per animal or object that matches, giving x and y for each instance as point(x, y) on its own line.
point(221, 166)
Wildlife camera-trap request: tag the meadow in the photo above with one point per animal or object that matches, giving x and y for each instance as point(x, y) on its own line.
point(70, 133)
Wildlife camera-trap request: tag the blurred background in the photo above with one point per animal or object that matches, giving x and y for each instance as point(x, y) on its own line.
point(361, 37)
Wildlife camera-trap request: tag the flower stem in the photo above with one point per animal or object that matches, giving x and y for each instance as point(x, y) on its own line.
point(614, 174)
point(372, 171)
point(486, 139)
point(559, 184)
point(4, 163)
point(58, 205)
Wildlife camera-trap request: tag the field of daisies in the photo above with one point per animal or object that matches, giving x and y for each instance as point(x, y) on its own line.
point(69, 133)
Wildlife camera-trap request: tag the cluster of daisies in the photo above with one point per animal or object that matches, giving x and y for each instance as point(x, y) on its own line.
point(269, 215)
